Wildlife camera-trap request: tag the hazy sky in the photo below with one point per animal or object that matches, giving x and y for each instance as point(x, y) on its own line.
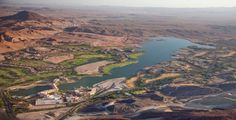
point(139, 3)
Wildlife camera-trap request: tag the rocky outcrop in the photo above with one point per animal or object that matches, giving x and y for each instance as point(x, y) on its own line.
point(24, 16)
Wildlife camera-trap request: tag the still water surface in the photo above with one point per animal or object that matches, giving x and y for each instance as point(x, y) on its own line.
point(156, 50)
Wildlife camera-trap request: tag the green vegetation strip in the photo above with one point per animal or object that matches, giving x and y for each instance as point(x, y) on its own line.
point(33, 63)
point(10, 75)
point(82, 59)
point(107, 69)
point(42, 76)
point(135, 55)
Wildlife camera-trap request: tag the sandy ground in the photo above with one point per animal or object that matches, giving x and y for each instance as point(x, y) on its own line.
point(1, 58)
point(200, 54)
point(184, 84)
point(93, 39)
point(92, 68)
point(59, 59)
point(9, 47)
point(25, 86)
point(29, 85)
point(40, 107)
point(231, 53)
point(42, 49)
point(41, 115)
point(163, 76)
point(131, 82)
point(187, 67)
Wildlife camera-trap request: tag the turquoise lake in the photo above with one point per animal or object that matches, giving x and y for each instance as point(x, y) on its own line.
point(156, 50)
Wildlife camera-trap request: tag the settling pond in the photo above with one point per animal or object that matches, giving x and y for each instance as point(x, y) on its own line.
point(156, 50)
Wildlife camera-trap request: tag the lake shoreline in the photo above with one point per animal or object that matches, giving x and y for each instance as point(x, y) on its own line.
point(143, 60)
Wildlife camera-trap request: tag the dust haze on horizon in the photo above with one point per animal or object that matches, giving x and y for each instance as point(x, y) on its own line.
point(132, 3)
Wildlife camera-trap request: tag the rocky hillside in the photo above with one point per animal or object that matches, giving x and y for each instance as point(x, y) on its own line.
point(19, 30)
point(24, 16)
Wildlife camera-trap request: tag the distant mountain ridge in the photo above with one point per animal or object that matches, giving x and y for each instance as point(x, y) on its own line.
point(24, 16)
point(22, 27)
